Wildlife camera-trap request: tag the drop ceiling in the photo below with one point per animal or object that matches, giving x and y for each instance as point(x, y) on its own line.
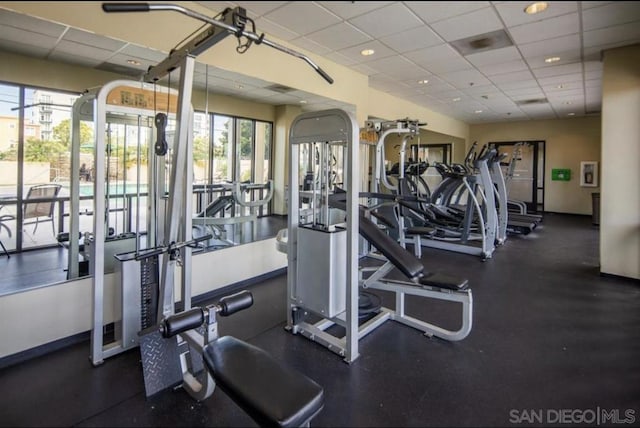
point(413, 41)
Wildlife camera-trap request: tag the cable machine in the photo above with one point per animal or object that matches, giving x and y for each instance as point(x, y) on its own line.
point(167, 362)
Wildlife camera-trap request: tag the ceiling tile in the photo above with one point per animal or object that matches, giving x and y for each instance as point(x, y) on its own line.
point(364, 69)
point(349, 9)
point(523, 93)
point(518, 84)
point(342, 59)
point(13, 34)
point(533, 95)
point(592, 65)
point(311, 45)
point(29, 23)
point(270, 28)
point(591, 75)
point(260, 8)
point(339, 36)
point(566, 57)
point(518, 76)
point(595, 83)
point(620, 33)
point(512, 12)
point(353, 52)
point(391, 19)
point(398, 68)
point(217, 6)
point(590, 4)
point(466, 78)
point(303, 17)
point(64, 56)
point(23, 49)
point(481, 90)
point(548, 29)
point(561, 80)
point(433, 11)
point(551, 46)
point(141, 52)
point(620, 12)
point(439, 59)
point(80, 50)
point(505, 67)
point(411, 40)
point(478, 22)
point(558, 70)
point(560, 87)
point(121, 59)
point(94, 40)
point(438, 88)
point(561, 94)
point(495, 56)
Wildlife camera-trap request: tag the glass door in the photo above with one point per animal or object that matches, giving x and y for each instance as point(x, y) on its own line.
point(524, 172)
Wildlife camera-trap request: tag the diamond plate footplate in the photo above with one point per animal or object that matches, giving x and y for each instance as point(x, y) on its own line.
point(160, 361)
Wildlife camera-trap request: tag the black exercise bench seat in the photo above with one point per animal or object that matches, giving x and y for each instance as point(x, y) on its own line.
point(442, 280)
point(406, 262)
point(273, 394)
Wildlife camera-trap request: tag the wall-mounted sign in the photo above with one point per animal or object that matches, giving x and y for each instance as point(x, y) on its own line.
point(560, 174)
point(589, 174)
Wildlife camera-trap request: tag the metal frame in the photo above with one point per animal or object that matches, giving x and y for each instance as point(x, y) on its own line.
point(402, 288)
point(339, 127)
point(93, 106)
point(178, 222)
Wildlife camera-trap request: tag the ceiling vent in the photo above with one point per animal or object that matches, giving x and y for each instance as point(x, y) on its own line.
point(533, 101)
point(280, 89)
point(482, 42)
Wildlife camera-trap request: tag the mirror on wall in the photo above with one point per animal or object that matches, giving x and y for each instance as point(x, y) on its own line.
point(232, 185)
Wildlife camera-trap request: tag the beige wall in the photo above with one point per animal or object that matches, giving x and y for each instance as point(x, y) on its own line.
point(46, 314)
point(567, 143)
point(620, 209)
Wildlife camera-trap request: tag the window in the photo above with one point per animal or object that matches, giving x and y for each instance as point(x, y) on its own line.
point(230, 149)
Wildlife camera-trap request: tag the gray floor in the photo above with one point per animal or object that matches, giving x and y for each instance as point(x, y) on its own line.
point(550, 335)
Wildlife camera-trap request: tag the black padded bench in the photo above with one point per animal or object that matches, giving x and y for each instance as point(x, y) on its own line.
point(406, 262)
point(273, 394)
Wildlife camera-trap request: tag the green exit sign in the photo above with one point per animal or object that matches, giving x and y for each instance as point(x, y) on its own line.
point(560, 174)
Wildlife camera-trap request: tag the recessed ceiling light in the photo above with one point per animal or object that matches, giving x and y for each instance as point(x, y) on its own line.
point(552, 59)
point(478, 111)
point(560, 86)
point(423, 82)
point(133, 62)
point(303, 102)
point(367, 52)
point(456, 99)
point(536, 7)
point(571, 114)
point(567, 102)
point(240, 86)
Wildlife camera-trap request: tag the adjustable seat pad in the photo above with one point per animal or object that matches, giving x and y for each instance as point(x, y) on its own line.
point(442, 280)
point(270, 392)
point(401, 258)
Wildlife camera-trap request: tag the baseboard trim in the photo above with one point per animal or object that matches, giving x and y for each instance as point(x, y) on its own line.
point(634, 281)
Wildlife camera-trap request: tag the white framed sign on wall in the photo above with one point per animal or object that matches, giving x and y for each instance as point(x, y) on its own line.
point(589, 174)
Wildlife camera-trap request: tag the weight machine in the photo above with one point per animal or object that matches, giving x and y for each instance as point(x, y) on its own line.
point(167, 362)
point(323, 277)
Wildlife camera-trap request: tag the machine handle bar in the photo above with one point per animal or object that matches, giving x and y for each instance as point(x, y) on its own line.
point(159, 250)
point(238, 32)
